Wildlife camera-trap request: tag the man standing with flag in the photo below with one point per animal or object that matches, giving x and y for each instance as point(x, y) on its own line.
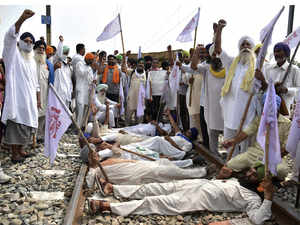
point(286, 85)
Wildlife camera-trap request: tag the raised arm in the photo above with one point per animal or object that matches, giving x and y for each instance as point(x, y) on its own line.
point(173, 124)
point(25, 15)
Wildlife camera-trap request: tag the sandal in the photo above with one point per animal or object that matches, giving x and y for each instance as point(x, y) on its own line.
point(95, 208)
point(101, 186)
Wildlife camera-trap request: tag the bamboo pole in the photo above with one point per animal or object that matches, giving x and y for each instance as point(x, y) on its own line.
point(89, 106)
point(195, 39)
point(78, 128)
point(122, 40)
point(267, 147)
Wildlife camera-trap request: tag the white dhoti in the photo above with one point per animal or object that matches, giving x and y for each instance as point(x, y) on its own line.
point(100, 116)
point(143, 172)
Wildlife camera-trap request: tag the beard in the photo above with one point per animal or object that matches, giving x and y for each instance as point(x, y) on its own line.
point(40, 58)
point(102, 97)
point(245, 56)
point(26, 55)
point(216, 64)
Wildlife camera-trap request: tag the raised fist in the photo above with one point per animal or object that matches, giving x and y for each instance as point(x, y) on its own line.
point(222, 23)
point(27, 14)
point(61, 38)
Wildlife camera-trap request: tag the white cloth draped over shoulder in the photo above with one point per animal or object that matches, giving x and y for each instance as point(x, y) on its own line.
point(21, 85)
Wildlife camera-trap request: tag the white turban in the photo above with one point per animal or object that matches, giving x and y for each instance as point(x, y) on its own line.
point(246, 38)
point(100, 87)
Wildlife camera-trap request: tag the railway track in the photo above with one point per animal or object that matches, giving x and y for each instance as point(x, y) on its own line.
point(283, 214)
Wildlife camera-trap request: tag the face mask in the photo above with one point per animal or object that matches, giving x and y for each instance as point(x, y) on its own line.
point(25, 47)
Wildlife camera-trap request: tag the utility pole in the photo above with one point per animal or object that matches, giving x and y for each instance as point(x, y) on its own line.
point(48, 24)
point(291, 19)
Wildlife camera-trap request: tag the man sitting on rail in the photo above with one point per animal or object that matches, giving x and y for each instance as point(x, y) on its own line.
point(255, 153)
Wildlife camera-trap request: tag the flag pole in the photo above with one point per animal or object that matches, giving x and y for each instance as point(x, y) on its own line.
point(77, 127)
point(121, 31)
point(267, 145)
point(195, 39)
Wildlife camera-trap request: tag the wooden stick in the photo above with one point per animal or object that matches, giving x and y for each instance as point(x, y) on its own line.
point(241, 125)
point(267, 146)
point(77, 127)
point(122, 40)
point(298, 191)
point(138, 154)
point(34, 141)
point(191, 91)
point(89, 106)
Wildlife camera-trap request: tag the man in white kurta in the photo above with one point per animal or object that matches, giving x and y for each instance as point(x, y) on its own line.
point(277, 71)
point(20, 111)
point(84, 79)
point(43, 75)
point(136, 93)
point(213, 83)
point(183, 196)
point(237, 87)
point(63, 74)
point(100, 102)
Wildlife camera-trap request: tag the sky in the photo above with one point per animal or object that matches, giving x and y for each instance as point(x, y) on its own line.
point(153, 25)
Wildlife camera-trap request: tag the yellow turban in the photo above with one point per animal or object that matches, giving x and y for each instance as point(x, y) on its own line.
point(185, 53)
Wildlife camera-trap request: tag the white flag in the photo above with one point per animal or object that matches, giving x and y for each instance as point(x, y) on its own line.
point(111, 30)
point(57, 122)
point(139, 53)
point(186, 34)
point(266, 29)
point(269, 116)
point(293, 38)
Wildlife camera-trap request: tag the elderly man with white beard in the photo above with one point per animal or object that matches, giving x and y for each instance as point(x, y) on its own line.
point(100, 101)
point(22, 99)
point(237, 86)
point(42, 75)
point(63, 73)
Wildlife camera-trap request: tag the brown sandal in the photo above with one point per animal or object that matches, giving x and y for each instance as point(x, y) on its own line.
point(96, 206)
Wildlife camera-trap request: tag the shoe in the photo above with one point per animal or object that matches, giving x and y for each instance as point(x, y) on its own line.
point(3, 177)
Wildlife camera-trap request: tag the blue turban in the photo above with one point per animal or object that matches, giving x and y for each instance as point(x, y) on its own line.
point(194, 132)
point(208, 46)
point(87, 135)
point(26, 35)
point(278, 100)
point(284, 47)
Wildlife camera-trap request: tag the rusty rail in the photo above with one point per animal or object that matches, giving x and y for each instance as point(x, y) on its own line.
point(284, 214)
point(76, 205)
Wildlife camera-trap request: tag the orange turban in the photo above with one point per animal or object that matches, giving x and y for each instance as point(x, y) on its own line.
point(49, 50)
point(89, 56)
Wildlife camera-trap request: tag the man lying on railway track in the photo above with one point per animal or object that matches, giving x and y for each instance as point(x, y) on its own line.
point(255, 153)
point(177, 197)
point(124, 171)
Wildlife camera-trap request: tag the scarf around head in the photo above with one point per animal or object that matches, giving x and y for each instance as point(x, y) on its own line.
point(116, 75)
point(246, 84)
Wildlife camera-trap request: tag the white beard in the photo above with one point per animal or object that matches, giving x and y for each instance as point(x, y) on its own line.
point(26, 55)
point(245, 56)
point(40, 58)
point(102, 98)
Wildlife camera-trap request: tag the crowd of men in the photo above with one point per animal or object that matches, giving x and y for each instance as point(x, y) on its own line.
point(157, 120)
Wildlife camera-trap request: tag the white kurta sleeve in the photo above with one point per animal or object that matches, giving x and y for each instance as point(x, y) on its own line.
point(226, 59)
point(10, 46)
point(292, 91)
point(258, 213)
point(80, 69)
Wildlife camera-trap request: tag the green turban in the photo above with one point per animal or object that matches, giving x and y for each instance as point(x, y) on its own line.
point(100, 87)
point(260, 170)
point(119, 57)
point(66, 49)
